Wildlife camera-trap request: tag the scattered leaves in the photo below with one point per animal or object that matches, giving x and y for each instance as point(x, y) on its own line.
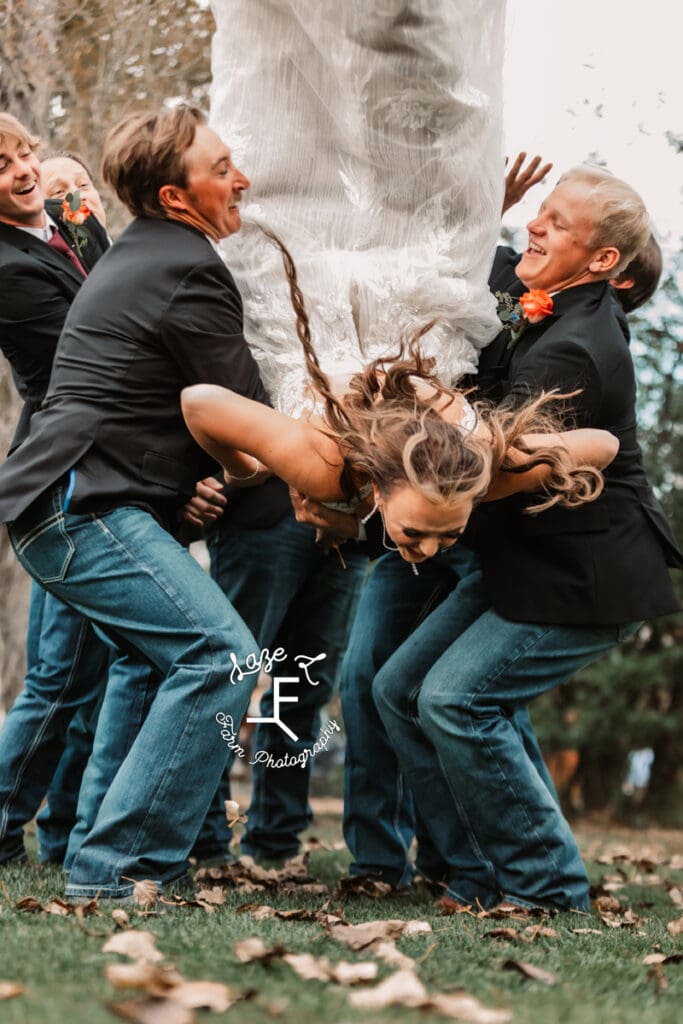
point(10, 989)
point(248, 876)
point(138, 945)
point(662, 958)
point(361, 885)
point(152, 1010)
point(362, 936)
point(404, 988)
point(208, 995)
point(530, 971)
point(262, 911)
point(120, 918)
point(154, 979)
point(29, 904)
point(676, 895)
point(249, 950)
point(675, 927)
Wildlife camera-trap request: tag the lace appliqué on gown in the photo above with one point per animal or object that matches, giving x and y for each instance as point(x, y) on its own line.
point(372, 133)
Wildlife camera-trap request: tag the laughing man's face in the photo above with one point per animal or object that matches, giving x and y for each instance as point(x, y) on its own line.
point(560, 250)
point(21, 196)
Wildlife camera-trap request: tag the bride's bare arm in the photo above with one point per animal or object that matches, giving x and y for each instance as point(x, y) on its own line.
point(226, 424)
point(586, 447)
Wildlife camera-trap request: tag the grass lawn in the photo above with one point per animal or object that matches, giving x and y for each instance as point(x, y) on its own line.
point(601, 978)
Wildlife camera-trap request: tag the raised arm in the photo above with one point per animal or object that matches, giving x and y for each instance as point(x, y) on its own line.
point(226, 425)
point(585, 447)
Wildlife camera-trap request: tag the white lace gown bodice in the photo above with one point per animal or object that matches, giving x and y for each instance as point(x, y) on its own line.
point(372, 136)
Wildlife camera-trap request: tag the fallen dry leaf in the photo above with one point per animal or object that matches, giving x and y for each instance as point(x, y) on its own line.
point(625, 920)
point(360, 936)
point(138, 945)
point(505, 934)
point(675, 927)
point(248, 951)
point(120, 918)
point(676, 895)
point(361, 886)
point(351, 974)
point(150, 1010)
point(233, 814)
point(154, 979)
point(676, 862)
point(608, 904)
point(389, 952)
point(58, 907)
point(585, 931)
point(461, 1006)
point(307, 967)
point(261, 912)
point(215, 896)
point(145, 892)
point(10, 989)
point(29, 904)
point(209, 995)
point(403, 988)
point(530, 971)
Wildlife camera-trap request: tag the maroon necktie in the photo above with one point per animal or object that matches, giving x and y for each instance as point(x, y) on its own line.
point(58, 243)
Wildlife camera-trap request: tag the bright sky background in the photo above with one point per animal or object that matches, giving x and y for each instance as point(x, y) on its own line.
point(565, 61)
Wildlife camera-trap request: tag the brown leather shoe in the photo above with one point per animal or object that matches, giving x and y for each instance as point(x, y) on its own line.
point(447, 907)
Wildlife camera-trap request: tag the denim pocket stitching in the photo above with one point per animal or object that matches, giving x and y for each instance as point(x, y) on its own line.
point(33, 535)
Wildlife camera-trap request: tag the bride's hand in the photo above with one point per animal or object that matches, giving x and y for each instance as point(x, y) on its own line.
point(336, 526)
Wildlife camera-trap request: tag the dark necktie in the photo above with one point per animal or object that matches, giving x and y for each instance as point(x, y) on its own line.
point(58, 243)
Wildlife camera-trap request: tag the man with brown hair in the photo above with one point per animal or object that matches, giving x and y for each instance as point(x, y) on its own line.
point(94, 493)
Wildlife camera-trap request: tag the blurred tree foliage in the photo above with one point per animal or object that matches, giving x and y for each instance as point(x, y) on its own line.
point(634, 697)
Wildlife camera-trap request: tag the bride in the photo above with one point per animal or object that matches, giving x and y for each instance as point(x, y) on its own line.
point(399, 440)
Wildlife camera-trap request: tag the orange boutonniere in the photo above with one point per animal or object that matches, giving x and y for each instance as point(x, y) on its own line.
point(74, 214)
point(517, 315)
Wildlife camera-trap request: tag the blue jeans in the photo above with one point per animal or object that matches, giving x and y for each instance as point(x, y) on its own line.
point(57, 819)
point(66, 671)
point(127, 574)
point(294, 595)
point(131, 688)
point(452, 700)
point(379, 818)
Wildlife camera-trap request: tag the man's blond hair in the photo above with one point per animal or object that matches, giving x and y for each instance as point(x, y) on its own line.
point(11, 127)
point(619, 215)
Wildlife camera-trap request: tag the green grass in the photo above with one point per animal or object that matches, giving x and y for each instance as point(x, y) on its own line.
point(601, 978)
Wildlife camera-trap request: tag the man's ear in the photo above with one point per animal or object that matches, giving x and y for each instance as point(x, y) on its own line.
point(622, 282)
point(604, 261)
point(172, 197)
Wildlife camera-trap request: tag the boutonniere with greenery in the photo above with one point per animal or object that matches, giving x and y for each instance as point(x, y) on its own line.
point(74, 214)
point(518, 314)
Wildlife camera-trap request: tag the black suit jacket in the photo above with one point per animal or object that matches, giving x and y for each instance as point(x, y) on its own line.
point(159, 311)
point(37, 286)
point(606, 562)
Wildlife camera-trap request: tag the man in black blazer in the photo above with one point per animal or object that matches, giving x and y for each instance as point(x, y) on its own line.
point(95, 489)
point(552, 593)
point(66, 661)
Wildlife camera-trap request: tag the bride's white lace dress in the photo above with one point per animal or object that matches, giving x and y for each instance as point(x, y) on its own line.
point(371, 132)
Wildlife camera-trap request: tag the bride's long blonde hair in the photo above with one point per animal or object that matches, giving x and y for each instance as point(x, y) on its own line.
point(392, 433)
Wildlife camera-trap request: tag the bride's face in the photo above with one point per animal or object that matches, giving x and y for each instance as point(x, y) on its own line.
point(419, 527)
